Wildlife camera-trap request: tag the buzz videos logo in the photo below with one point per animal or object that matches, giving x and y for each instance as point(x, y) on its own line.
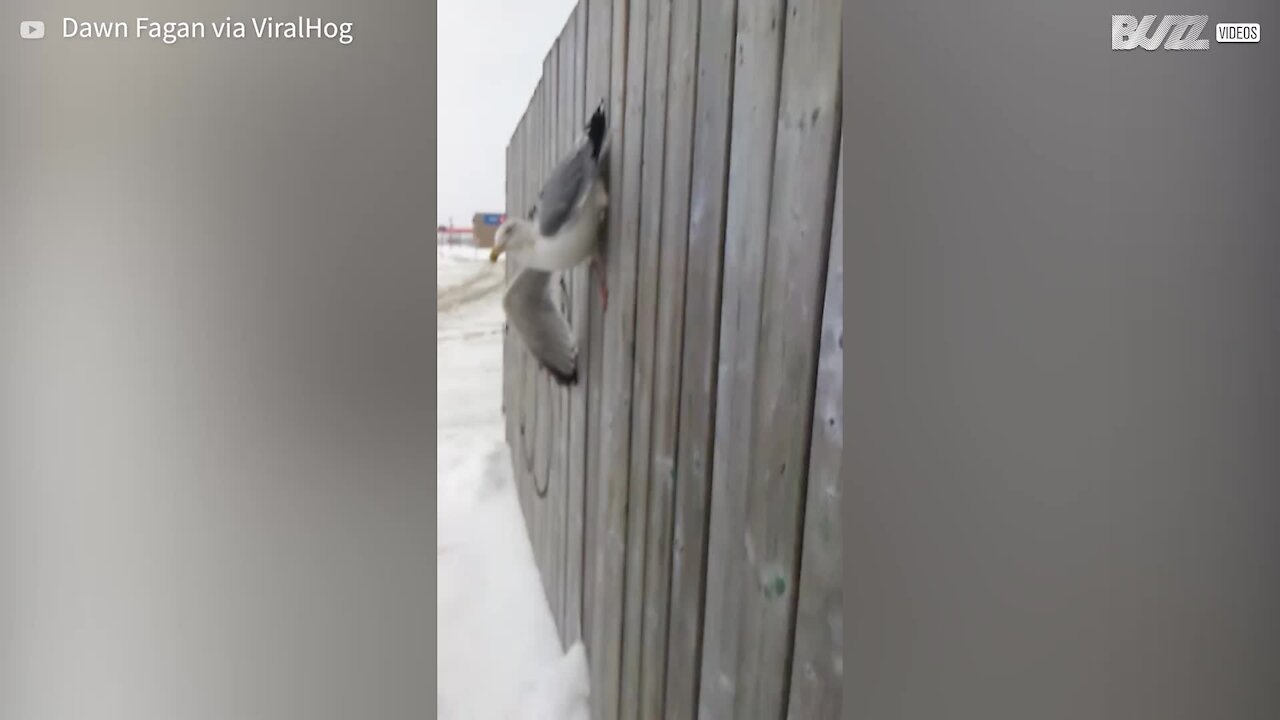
point(1175, 32)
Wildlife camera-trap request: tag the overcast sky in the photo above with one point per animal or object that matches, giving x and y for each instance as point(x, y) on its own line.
point(490, 56)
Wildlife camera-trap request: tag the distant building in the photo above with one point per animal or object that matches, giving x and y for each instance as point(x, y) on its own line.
point(485, 226)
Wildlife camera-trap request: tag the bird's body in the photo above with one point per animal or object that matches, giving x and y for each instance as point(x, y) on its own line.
point(563, 227)
point(560, 233)
point(572, 241)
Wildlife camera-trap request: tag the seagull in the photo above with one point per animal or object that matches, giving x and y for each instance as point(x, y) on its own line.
point(560, 232)
point(562, 229)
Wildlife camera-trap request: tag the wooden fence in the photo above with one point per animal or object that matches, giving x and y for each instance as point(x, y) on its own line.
point(683, 499)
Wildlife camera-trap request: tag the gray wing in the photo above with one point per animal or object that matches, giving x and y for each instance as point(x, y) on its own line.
point(565, 190)
point(541, 325)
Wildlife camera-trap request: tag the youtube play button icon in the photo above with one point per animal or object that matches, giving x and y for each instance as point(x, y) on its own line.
point(31, 29)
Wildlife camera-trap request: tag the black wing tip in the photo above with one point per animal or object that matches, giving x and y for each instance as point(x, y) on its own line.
point(596, 129)
point(563, 379)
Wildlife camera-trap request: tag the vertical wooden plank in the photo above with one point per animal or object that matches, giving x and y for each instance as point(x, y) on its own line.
point(577, 438)
point(537, 478)
point(524, 360)
point(755, 111)
point(648, 253)
point(571, 592)
point(515, 358)
point(817, 667)
point(508, 174)
point(554, 502)
point(545, 418)
point(598, 71)
point(510, 381)
point(522, 366)
point(618, 348)
point(509, 341)
point(667, 348)
point(516, 415)
point(559, 503)
point(565, 74)
point(795, 272)
point(560, 500)
point(547, 386)
point(708, 189)
point(528, 423)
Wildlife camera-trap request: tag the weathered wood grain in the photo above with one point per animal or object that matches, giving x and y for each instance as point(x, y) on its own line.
point(667, 342)
point(559, 394)
point(580, 295)
point(817, 666)
point(795, 273)
point(569, 131)
point(511, 342)
point(697, 401)
point(647, 268)
point(530, 454)
point(755, 109)
point(546, 386)
point(510, 172)
point(524, 417)
point(618, 348)
point(597, 77)
point(675, 499)
point(518, 351)
point(557, 417)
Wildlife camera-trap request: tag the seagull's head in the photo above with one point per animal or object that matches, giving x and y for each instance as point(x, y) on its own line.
point(511, 237)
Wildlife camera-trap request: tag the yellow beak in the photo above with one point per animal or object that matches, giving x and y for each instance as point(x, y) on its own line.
point(494, 253)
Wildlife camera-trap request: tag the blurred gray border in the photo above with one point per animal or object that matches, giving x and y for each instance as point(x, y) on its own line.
point(218, 353)
point(1063, 369)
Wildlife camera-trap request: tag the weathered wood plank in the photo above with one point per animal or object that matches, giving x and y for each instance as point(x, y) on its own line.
point(528, 398)
point(795, 272)
point(555, 412)
point(716, 276)
point(529, 423)
point(524, 429)
point(513, 357)
point(667, 348)
point(508, 178)
point(509, 339)
point(755, 110)
point(577, 399)
point(708, 190)
point(559, 509)
point(598, 68)
point(647, 268)
point(546, 386)
point(618, 348)
point(817, 666)
point(527, 366)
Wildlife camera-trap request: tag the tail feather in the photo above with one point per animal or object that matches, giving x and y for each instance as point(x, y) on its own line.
point(561, 377)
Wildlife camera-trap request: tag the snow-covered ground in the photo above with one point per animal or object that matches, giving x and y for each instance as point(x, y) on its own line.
point(498, 651)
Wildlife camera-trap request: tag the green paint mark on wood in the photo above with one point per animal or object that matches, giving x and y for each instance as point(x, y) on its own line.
point(775, 587)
